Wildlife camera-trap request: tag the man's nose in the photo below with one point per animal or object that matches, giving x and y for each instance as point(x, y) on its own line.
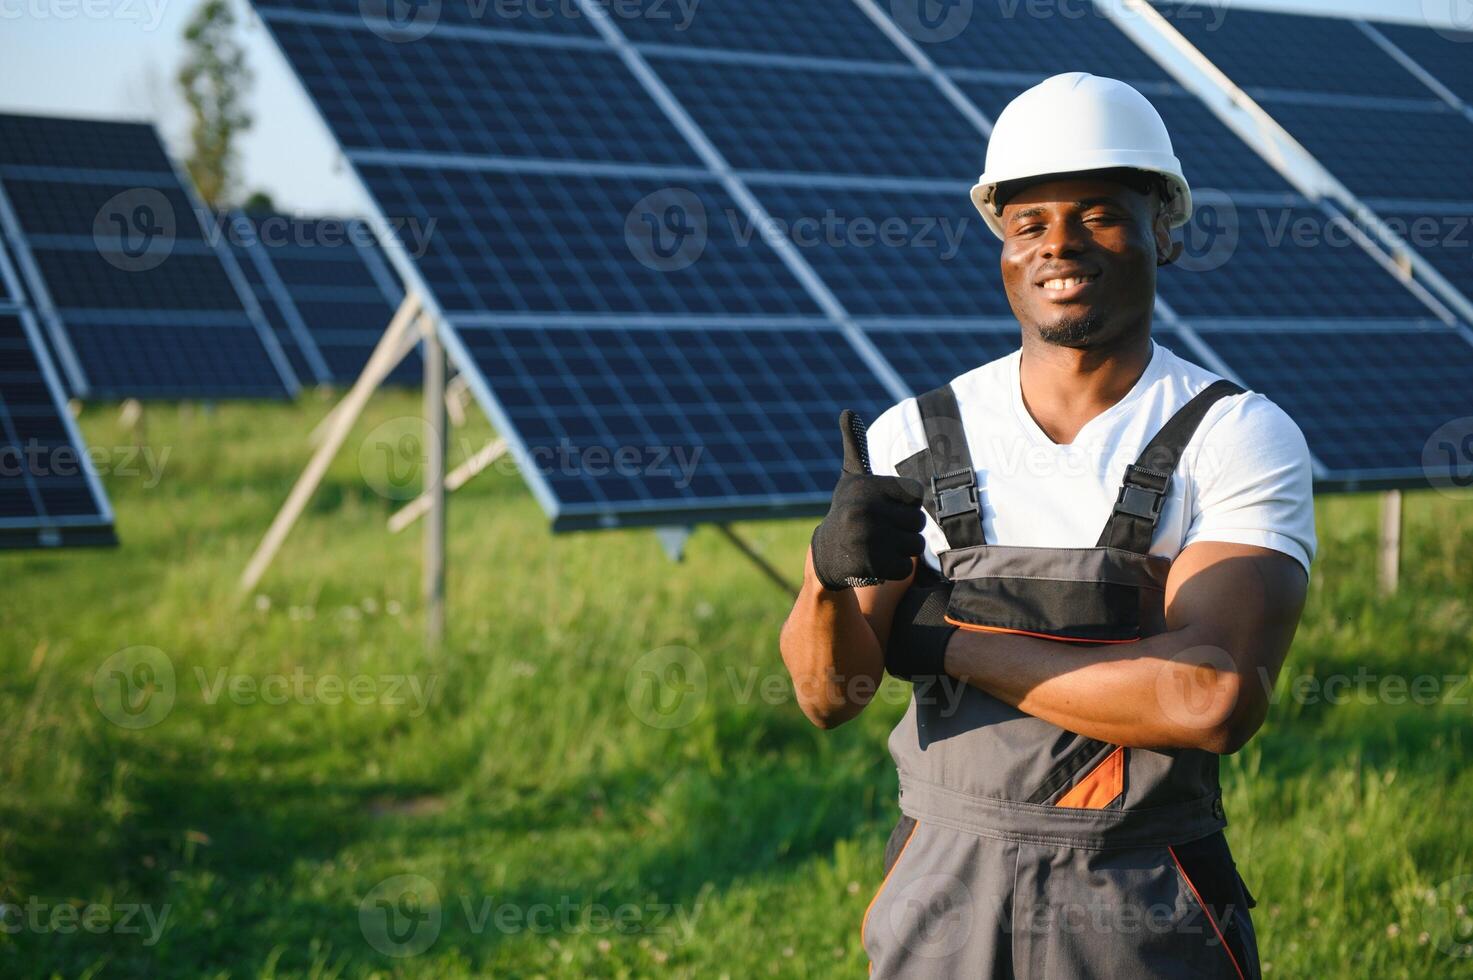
point(1064, 237)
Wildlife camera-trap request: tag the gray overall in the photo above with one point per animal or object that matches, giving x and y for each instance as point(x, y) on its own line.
point(1024, 850)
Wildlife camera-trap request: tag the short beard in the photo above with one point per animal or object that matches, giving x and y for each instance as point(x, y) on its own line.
point(1080, 332)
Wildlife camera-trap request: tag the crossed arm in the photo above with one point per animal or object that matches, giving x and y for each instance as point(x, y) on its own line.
point(1231, 612)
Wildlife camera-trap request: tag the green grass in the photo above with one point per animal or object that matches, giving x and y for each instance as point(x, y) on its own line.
point(525, 787)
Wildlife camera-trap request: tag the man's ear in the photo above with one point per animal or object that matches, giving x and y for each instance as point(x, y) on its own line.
point(1167, 251)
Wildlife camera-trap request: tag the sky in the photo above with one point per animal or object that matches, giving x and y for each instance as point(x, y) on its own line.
point(118, 58)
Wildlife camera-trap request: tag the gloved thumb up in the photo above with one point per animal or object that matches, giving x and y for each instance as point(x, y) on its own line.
point(873, 528)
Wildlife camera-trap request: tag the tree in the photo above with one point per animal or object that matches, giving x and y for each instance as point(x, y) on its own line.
point(258, 202)
point(215, 80)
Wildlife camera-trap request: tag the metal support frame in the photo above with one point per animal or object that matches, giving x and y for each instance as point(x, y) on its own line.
point(408, 321)
point(434, 489)
point(763, 565)
point(457, 478)
point(1388, 549)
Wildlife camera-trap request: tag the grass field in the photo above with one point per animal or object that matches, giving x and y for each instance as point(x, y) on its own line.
point(555, 821)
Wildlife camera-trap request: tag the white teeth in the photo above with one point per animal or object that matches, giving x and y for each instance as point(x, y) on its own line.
point(1068, 282)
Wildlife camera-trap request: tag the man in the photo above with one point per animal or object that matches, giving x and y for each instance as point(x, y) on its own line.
point(1061, 815)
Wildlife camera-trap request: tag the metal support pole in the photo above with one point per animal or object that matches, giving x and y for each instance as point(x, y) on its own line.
point(434, 488)
point(756, 559)
point(380, 363)
point(1388, 553)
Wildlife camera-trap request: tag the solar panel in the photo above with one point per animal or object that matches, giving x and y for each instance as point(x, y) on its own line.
point(479, 96)
point(642, 421)
point(1444, 237)
point(1443, 52)
point(49, 493)
point(894, 253)
point(1029, 39)
point(1367, 400)
point(410, 22)
point(326, 289)
point(119, 263)
point(890, 123)
point(1261, 50)
point(1279, 260)
point(542, 243)
point(1419, 150)
point(814, 28)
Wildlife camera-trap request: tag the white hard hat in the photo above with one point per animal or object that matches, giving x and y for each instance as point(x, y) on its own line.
point(1078, 122)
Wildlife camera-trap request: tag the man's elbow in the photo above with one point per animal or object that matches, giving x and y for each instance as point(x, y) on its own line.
point(828, 716)
point(1227, 720)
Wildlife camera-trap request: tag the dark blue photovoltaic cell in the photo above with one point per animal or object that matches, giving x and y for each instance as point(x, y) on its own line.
point(1024, 36)
point(79, 280)
point(1279, 262)
point(819, 28)
point(1446, 54)
point(41, 475)
point(8, 295)
point(745, 416)
point(68, 207)
point(452, 95)
point(928, 357)
point(50, 142)
point(826, 121)
point(170, 361)
point(1419, 154)
point(119, 252)
point(266, 300)
point(1445, 239)
point(1366, 401)
point(509, 242)
point(322, 266)
point(1211, 154)
point(415, 18)
point(1290, 51)
point(894, 253)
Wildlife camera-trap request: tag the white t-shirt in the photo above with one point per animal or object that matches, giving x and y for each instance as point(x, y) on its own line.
point(1245, 477)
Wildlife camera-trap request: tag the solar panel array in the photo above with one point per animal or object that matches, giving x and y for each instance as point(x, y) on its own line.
point(1339, 89)
point(49, 493)
point(325, 288)
point(137, 300)
point(716, 231)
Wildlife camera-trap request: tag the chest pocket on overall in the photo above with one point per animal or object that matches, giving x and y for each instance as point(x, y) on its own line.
point(1113, 592)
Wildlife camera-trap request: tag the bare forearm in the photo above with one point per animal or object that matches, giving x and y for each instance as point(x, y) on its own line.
point(1173, 690)
point(831, 652)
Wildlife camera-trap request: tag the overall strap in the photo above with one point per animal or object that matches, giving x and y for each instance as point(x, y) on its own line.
point(1137, 508)
point(952, 482)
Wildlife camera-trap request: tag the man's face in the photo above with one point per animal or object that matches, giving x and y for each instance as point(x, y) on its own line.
point(1079, 260)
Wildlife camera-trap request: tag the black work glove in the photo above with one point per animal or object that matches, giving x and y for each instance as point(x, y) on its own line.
point(873, 527)
point(919, 633)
